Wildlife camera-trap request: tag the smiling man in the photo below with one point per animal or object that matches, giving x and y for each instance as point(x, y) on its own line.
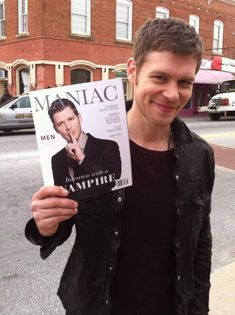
point(145, 250)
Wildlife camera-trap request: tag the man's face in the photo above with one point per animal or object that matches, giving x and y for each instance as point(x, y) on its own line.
point(67, 123)
point(162, 86)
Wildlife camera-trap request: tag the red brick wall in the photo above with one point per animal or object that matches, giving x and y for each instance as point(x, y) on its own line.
point(50, 36)
point(45, 76)
point(53, 21)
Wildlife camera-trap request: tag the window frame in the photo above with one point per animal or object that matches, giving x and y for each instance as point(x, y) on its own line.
point(2, 20)
point(126, 4)
point(217, 46)
point(162, 10)
point(194, 20)
point(77, 15)
point(22, 17)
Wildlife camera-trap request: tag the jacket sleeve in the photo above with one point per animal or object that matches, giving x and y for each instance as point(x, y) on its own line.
point(48, 243)
point(202, 261)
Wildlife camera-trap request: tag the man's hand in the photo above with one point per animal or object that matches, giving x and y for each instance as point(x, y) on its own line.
point(50, 207)
point(74, 150)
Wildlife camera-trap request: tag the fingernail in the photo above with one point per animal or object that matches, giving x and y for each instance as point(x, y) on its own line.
point(65, 191)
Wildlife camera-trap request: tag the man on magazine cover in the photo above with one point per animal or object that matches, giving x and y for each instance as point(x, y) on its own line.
point(145, 249)
point(87, 165)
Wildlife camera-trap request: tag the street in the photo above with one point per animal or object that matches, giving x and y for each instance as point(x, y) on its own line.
point(28, 284)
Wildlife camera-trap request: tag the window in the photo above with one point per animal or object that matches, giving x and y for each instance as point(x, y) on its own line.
point(2, 18)
point(23, 102)
point(24, 80)
point(80, 76)
point(218, 36)
point(162, 13)
point(124, 20)
point(80, 17)
point(22, 16)
point(194, 21)
point(3, 74)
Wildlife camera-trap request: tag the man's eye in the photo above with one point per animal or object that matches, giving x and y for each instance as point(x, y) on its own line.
point(186, 83)
point(159, 78)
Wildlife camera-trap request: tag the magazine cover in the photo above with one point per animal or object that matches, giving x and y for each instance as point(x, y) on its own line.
point(82, 137)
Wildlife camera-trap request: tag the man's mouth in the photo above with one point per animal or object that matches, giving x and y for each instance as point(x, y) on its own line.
point(164, 108)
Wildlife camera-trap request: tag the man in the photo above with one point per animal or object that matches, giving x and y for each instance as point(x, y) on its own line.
point(145, 250)
point(6, 96)
point(87, 165)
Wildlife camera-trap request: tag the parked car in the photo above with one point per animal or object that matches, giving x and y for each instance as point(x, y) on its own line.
point(16, 114)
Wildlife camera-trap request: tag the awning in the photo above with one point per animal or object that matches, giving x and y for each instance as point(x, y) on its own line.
point(212, 76)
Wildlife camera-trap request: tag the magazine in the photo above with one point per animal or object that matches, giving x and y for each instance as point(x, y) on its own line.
point(82, 137)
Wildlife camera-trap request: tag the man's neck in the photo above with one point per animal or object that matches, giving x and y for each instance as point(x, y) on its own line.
point(147, 135)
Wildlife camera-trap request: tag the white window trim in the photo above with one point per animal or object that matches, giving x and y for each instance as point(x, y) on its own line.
point(128, 4)
point(2, 21)
point(88, 19)
point(21, 16)
point(162, 10)
point(194, 21)
point(218, 48)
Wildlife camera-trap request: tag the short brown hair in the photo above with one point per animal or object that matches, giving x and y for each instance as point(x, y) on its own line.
point(60, 104)
point(169, 34)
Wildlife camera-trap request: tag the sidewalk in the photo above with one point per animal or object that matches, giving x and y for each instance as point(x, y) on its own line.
point(222, 294)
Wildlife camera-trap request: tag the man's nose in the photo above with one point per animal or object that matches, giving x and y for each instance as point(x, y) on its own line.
point(67, 126)
point(171, 92)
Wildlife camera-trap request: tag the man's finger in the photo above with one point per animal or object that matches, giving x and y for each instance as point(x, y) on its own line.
point(54, 220)
point(44, 214)
point(53, 203)
point(50, 191)
point(73, 139)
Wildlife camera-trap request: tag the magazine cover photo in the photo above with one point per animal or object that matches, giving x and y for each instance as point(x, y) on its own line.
point(82, 137)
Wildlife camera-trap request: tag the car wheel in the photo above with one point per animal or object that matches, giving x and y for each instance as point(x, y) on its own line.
point(214, 116)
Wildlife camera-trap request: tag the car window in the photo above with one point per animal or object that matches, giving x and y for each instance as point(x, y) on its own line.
point(23, 103)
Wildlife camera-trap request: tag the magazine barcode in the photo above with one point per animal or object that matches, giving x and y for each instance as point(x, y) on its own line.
point(122, 182)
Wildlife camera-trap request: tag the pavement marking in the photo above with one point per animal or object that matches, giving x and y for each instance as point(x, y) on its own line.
point(13, 156)
point(209, 136)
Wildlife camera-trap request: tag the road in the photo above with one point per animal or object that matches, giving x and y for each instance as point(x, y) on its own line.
point(28, 284)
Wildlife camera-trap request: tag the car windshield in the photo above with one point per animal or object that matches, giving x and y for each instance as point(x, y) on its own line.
point(228, 86)
point(8, 103)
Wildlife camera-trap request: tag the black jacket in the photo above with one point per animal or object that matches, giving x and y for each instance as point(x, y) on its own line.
point(86, 280)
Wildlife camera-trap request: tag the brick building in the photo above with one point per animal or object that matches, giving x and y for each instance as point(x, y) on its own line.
point(44, 45)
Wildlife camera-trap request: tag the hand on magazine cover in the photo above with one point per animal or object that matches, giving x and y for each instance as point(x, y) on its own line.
point(50, 207)
point(74, 150)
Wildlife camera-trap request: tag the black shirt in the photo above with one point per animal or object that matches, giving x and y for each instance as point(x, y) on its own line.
point(144, 281)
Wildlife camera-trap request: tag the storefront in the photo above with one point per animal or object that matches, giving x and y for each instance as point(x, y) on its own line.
point(206, 83)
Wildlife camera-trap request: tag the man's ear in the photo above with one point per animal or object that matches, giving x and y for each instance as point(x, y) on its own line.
point(131, 70)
